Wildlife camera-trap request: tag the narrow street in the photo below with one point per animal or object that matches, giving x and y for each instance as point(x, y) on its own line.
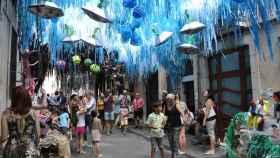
point(119, 146)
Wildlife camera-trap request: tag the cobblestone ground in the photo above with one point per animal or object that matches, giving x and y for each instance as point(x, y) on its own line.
point(119, 146)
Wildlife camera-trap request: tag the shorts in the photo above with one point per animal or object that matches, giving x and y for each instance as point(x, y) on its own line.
point(138, 113)
point(109, 116)
point(210, 126)
point(80, 130)
point(157, 142)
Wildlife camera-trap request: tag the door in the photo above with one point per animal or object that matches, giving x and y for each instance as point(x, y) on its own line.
point(230, 82)
point(189, 93)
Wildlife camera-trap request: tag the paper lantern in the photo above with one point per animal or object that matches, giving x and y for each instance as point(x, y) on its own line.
point(188, 48)
point(163, 37)
point(136, 39)
point(88, 62)
point(60, 64)
point(126, 33)
point(138, 12)
point(76, 59)
point(46, 10)
point(96, 14)
point(95, 68)
point(129, 3)
point(193, 27)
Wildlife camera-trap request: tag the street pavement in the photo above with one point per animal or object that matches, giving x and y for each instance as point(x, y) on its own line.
point(119, 146)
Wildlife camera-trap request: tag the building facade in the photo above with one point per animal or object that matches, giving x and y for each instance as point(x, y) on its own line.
point(8, 50)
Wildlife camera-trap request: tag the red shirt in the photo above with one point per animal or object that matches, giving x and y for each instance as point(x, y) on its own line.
point(138, 103)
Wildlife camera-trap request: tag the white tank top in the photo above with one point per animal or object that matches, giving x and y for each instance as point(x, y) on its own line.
point(211, 113)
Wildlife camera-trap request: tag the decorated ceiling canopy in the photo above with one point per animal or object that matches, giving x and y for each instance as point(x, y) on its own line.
point(130, 27)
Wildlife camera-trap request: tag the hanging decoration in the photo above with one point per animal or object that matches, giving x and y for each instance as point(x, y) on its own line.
point(193, 27)
point(88, 62)
point(129, 3)
point(96, 13)
point(131, 33)
point(60, 64)
point(72, 39)
point(46, 10)
point(94, 68)
point(138, 12)
point(188, 48)
point(76, 59)
point(163, 37)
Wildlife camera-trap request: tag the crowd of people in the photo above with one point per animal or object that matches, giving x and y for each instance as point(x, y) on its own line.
point(51, 126)
point(58, 122)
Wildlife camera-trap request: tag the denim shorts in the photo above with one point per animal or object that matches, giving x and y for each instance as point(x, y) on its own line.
point(109, 116)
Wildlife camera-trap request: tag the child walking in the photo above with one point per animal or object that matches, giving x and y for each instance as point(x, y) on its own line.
point(96, 134)
point(156, 122)
point(124, 118)
point(80, 129)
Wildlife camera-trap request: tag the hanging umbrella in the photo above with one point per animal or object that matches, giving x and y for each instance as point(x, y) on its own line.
point(71, 39)
point(96, 14)
point(46, 10)
point(163, 37)
point(193, 27)
point(90, 41)
point(188, 48)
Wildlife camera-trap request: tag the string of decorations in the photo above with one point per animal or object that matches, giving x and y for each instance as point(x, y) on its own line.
point(147, 34)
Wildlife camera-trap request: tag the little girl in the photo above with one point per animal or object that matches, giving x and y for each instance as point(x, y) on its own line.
point(124, 118)
point(96, 134)
point(80, 129)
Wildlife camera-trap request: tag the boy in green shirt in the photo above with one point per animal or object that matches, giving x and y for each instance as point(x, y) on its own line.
point(156, 122)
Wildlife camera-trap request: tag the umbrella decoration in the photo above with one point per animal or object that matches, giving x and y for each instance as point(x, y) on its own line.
point(188, 48)
point(71, 39)
point(96, 14)
point(46, 10)
point(90, 41)
point(163, 37)
point(76, 59)
point(193, 27)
